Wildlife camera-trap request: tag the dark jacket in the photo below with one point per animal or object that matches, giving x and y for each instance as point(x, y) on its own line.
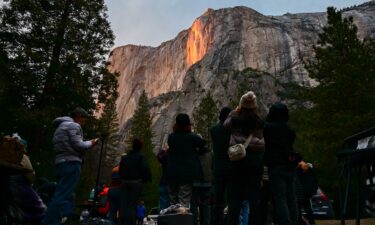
point(133, 166)
point(278, 137)
point(162, 157)
point(206, 170)
point(183, 165)
point(220, 144)
point(308, 181)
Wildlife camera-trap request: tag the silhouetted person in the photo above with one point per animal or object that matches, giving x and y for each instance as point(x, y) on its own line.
point(162, 156)
point(114, 195)
point(279, 139)
point(220, 143)
point(306, 186)
point(246, 173)
point(200, 202)
point(134, 171)
point(183, 165)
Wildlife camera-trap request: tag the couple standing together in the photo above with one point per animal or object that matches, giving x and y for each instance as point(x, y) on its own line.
point(271, 144)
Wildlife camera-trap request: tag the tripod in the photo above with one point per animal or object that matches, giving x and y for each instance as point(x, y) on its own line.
point(96, 204)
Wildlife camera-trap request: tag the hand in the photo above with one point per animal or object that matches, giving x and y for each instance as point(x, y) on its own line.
point(94, 141)
point(165, 147)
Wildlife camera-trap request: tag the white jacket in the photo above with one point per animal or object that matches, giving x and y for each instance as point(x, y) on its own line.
point(68, 140)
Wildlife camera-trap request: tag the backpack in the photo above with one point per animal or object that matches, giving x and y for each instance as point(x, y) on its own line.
point(11, 150)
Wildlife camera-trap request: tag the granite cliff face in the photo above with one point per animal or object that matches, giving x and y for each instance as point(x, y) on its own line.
point(222, 51)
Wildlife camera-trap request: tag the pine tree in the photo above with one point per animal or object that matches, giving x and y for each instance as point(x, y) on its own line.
point(141, 128)
point(343, 102)
point(106, 127)
point(205, 116)
point(57, 51)
point(4, 100)
point(109, 124)
point(141, 122)
point(55, 55)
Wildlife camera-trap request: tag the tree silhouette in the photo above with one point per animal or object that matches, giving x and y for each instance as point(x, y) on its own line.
point(205, 116)
point(343, 102)
point(141, 128)
point(52, 59)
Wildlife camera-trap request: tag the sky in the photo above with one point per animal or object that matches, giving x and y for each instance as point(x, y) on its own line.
point(151, 22)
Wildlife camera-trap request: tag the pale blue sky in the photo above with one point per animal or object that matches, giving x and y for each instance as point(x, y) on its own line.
point(151, 22)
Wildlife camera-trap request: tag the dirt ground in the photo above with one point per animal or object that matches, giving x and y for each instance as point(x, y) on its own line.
point(347, 222)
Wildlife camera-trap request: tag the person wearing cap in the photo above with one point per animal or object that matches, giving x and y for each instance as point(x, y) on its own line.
point(69, 147)
point(245, 174)
point(183, 165)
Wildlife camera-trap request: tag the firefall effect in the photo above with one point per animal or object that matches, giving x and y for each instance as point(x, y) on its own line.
point(197, 43)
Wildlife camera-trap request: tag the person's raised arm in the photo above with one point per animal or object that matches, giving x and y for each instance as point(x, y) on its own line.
point(76, 139)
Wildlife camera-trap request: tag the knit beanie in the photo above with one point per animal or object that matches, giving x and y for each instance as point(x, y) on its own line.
point(248, 101)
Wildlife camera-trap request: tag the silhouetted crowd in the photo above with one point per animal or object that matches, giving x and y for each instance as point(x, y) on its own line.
point(250, 174)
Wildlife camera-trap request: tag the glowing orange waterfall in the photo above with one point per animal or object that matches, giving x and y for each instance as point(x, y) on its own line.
point(197, 43)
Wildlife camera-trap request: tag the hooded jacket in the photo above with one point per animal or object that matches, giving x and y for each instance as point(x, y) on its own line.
point(68, 141)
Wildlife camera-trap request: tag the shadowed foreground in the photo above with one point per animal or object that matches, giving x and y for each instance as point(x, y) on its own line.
point(370, 221)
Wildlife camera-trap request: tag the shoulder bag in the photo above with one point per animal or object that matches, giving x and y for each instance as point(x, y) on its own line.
point(238, 151)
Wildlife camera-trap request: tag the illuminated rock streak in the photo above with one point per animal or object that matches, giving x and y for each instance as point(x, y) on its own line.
point(197, 43)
